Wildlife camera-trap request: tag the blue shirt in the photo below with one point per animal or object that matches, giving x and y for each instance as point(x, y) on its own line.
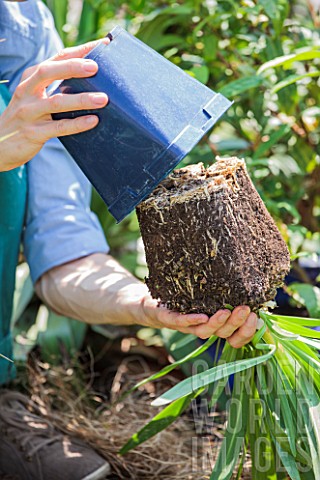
point(59, 224)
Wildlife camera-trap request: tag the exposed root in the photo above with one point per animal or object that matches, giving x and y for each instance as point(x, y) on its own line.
point(203, 183)
point(213, 226)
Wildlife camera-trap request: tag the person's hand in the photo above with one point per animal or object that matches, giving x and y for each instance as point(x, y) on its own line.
point(97, 289)
point(237, 327)
point(26, 124)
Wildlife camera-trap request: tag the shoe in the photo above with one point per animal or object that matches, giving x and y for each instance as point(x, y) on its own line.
point(32, 449)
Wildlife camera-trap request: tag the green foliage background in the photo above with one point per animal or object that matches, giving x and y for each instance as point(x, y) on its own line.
point(262, 54)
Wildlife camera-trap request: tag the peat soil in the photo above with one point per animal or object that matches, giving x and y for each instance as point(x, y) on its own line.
point(210, 241)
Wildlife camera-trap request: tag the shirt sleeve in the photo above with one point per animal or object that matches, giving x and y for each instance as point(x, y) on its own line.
point(59, 224)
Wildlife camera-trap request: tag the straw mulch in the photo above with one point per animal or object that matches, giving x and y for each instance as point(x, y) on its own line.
point(67, 395)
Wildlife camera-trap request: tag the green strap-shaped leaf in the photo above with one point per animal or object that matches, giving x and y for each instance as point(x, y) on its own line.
point(302, 321)
point(308, 475)
point(241, 85)
point(261, 446)
point(274, 138)
point(276, 432)
point(310, 341)
point(288, 462)
point(23, 292)
point(234, 436)
point(293, 79)
point(310, 414)
point(257, 337)
point(228, 355)
point(308, 295)
point(270, 7)
point(303, 331)
point(301, 351)
point(282, 334)
point(303, 354)
point(287, 60)
point(285, 407)
point(185, 387)
point(60, 9)
point(174, 365)
point(159, 422)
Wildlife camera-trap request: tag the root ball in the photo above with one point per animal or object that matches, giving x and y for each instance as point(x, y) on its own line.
point(210, 240)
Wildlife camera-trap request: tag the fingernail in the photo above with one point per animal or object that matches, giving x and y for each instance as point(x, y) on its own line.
point(99, 99)
point(204, 320)
point(243, 313)
point(223, 317)
point(91, 120)
point(252, 319)
point(89, 66)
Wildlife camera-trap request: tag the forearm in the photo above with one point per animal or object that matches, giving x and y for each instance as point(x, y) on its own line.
point(94, 289)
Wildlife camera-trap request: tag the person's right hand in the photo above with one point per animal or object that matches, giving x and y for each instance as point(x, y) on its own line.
point(26, 124)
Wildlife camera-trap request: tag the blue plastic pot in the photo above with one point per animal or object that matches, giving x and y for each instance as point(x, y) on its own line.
point(156, 114)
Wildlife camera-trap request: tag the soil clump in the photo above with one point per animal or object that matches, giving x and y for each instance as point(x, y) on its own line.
point(210, 241)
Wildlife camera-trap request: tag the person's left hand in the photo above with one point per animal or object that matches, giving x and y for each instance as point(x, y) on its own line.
point(97, 289)
point(237, 327)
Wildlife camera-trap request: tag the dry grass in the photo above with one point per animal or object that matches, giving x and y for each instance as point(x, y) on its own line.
point(67, 396)
point(74, 407)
